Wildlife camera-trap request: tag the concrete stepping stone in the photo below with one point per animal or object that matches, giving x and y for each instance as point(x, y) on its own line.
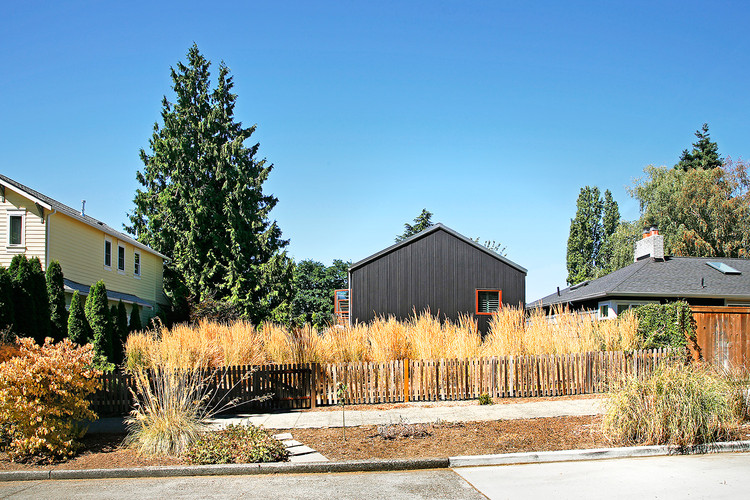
point(300, 450)
point(283, 436)
point(310, 457)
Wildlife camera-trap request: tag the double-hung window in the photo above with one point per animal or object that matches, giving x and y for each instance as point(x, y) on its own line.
point(107, 253)
point(15, 228)
point(488, 301)
point(136, 263)
point(120, 258)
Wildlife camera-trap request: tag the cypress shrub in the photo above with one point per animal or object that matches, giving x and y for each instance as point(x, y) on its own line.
point(134, 324)
point(23, 308)
point(78, 326)
point(6, 300)
point(97, 314)
point(39, 301)
point(56, 293)
point(120, 320)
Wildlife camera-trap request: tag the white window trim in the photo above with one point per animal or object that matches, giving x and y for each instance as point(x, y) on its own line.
point(124, 258)
point(140, 264)
point(16, 213)
point(107, 267)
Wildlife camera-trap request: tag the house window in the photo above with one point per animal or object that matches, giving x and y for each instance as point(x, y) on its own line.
point(121, 258)
point(488, 301)
point(107, 253)
point(136, 263)
point(15, 230)
point(604, 311)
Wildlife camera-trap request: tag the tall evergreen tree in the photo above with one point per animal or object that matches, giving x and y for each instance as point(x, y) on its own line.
point(6, 300)
point(421, 222)
point(56, 293)
point(704, 155)
point(610, 221)
point(120, 335)
point(97, 315)
point(134, 324)
point(79, 330)
point(202, 201)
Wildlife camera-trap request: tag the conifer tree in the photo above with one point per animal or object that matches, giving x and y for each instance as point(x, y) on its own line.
point(120, 321)
point(39, 301)
point(23, 304)
point(202, 201)
point(704, 155)
point(421, 222)
point(6, 300)
point(56, 293)
point(97, 314)
point(134, 324)
point(79, 330)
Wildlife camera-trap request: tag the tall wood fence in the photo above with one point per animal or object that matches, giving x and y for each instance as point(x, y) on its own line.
point(312, 384)
point(723, 335)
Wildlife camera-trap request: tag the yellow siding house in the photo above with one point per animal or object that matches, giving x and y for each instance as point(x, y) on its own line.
point(88, 250)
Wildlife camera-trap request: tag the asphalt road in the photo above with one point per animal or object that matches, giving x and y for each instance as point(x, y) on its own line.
point(438, 483)
point(720, 475)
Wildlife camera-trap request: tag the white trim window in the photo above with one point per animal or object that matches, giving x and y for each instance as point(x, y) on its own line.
point(107, 253)
point(136, 264)
point(16, 224)
point(120, 258)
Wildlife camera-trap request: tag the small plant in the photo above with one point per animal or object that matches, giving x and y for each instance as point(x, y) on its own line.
point(678, 404)
point(44, 394)
point(341, 396)
point(236, 444)
point(485, 399)
point(403, 429)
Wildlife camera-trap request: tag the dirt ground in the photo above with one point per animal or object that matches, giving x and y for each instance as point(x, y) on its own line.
point(105, 451)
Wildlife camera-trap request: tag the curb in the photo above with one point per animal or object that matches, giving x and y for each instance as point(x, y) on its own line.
point(231, 469)
point(595, 454)
point(374, 465)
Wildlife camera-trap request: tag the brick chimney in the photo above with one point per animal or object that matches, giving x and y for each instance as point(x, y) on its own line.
point(651, 245)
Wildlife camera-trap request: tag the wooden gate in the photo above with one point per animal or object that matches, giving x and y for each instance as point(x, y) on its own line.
point(723, 335)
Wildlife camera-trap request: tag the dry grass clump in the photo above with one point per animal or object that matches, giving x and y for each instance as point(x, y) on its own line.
point(677, 404)
point(423, 336)
point(565, 332)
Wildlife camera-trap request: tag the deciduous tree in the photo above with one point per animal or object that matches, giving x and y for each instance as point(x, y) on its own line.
point(314, 285)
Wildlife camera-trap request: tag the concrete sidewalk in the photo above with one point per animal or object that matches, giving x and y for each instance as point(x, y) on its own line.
point(413, 413)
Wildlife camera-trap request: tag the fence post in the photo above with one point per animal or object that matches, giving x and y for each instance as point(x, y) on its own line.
point(406, 380)
point(313, 385)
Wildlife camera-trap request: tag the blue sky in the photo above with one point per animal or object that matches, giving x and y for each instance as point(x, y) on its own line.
point(492, 115)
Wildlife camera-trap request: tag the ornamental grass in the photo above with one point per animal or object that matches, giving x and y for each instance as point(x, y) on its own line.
point(422, 336)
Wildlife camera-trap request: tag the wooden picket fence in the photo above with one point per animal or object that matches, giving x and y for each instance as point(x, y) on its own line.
point(501, 377)
point(292, 386)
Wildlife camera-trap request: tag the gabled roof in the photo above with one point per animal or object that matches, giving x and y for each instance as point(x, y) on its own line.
point(672, 277)
point(428, 231)
point(51, 204)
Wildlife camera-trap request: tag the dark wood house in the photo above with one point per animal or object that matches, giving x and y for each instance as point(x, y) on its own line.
point(437, 269)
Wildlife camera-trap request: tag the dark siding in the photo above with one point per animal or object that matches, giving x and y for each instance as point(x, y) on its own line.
point(439, 272)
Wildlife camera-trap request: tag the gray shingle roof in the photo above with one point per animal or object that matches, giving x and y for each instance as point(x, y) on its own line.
point(75, 214)
point(71, 286)
point(678, 277)
point(430, 230)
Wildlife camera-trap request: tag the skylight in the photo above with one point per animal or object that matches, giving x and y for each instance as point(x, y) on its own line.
point(723, 268)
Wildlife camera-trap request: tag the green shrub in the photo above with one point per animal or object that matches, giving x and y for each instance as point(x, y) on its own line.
point(6, 300)
point(39, 301)
point(134, 324)
point(44, 394)
point(665, 325)
point(236, 444)
point(79, 330)
point(56, 294)
point(678, 404)
point(120, 334)
point(485, 399)
point(23, 307)
point(97, 314)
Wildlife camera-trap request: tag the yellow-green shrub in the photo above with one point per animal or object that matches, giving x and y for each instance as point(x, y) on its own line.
point(43, 398)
